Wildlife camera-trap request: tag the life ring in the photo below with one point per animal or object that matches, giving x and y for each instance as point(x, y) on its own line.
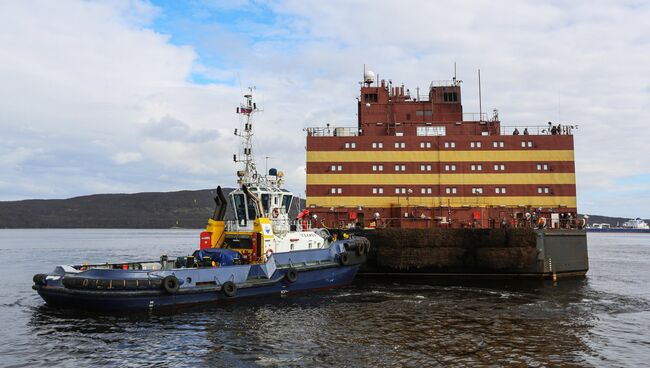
point(269, 253)
point(229, 288)
point(541, 223)
point(171, 284)
point(291, 275)
point(275, 213)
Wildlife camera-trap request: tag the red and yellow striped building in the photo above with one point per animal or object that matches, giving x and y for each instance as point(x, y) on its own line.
point(416, 162)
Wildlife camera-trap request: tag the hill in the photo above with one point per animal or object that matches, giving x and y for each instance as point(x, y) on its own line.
point(154, 210)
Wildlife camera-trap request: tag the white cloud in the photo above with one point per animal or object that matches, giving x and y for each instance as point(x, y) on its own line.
point(122, 158)
point(91, 85)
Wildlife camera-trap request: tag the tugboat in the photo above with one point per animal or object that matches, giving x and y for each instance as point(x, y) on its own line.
point(259, 252)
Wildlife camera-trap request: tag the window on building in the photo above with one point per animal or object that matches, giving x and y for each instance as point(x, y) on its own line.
point(476, 167)
point(475, 144)
point(498, 144)
point(450, 96)
point(500, 190)
point(451, 167)
point(530, 144)
point(339, 190)
point(374, 190)
point(370, 97)
point(380, 167)
point(400, 145)
point(353, 145)
point(374, 144)
point(423, 113)
point(425, 144)
point(396, 190)
point(374, 167)
point(545, 167)
point(333, 191)
point(450, 144)
point(378, 190)
point(347, 145)
point(477, 190)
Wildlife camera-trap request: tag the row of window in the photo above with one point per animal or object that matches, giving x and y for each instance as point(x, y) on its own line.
point(447, 167)
point(448, 190)
point(473, 144)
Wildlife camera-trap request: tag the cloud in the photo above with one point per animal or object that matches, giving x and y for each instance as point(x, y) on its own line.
point(97, 85)
point(122, 158)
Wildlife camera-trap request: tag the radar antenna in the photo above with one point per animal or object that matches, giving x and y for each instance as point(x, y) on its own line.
point(246, 110)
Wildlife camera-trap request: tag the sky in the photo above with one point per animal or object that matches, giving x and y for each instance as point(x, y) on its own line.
point(137, 96)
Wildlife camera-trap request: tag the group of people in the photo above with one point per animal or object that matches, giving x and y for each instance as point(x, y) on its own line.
point(552, 129)
point(559, 129)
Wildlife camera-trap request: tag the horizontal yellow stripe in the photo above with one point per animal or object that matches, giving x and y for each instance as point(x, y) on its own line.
point(445, 156)
point(440, 179)
point(478, 201)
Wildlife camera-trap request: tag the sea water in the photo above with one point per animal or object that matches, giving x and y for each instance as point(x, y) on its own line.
point(600, 320)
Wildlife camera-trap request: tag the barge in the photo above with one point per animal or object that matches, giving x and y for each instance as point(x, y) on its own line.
point(457, 186)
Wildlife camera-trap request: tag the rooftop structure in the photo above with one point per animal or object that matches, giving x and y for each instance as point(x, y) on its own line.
point(418, 160)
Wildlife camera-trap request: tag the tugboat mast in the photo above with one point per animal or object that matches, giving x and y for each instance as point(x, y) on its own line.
point(245, 111)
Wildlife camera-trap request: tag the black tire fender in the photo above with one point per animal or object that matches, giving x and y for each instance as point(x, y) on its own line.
point(229, 289)
point(361, 249)
point(291, 275)
point(40, 279)
point(344, 258)
point(171, 284)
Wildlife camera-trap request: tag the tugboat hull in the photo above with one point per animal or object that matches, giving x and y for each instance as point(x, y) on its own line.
point(106, 300)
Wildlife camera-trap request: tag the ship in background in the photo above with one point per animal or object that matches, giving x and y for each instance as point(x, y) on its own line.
point(417, 161)
point(636, 225)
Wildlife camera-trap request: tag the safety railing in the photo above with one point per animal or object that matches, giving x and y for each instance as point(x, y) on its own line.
point(551, 129)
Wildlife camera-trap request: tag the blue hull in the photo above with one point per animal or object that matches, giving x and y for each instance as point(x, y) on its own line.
point(325, 278)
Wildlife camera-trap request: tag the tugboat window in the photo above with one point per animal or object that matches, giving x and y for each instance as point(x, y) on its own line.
point(240, 206)
point(266, 201)
point(251, 210)
point(286, 202)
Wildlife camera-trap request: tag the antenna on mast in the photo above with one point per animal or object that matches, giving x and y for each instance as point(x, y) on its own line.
point(454, 72)
point(246, 110)
point(480, 102)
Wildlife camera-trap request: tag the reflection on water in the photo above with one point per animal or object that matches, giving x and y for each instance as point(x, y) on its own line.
point(376, 322)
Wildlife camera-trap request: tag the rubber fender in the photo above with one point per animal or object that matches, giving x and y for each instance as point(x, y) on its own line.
point(171, 284)
point(361, 249)
point(291, 275)
point(40, 279)
point(344, 258)
point(229, 288)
